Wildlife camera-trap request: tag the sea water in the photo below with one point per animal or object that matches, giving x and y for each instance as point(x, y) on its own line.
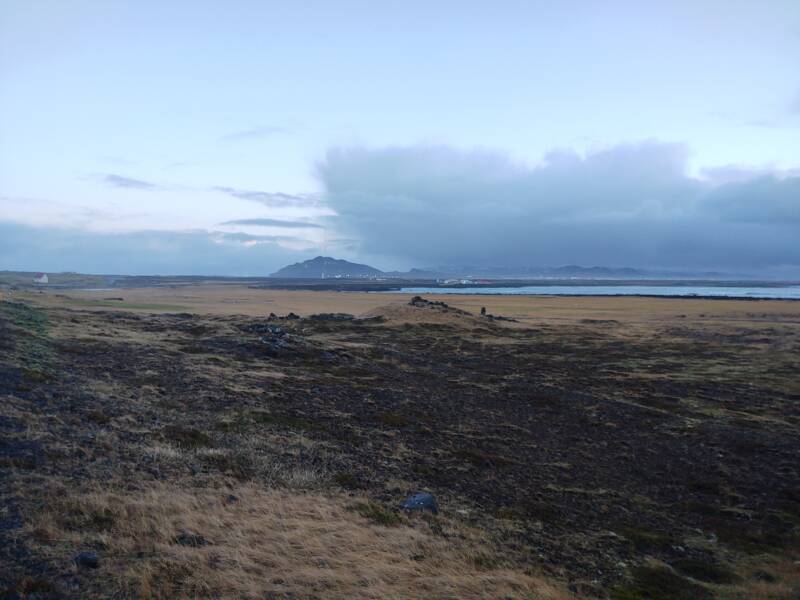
point(778, 291)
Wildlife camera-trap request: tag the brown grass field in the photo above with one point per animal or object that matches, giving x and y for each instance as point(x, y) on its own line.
point(241, 300)
point(624, 448)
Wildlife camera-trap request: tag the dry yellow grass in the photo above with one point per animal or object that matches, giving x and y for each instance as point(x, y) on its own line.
point(274, 544)
point(237, 299)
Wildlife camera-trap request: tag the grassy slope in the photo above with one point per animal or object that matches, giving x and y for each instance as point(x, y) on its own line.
point(627, 460)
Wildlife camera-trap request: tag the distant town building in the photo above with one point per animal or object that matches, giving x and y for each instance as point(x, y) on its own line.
point(40, 278)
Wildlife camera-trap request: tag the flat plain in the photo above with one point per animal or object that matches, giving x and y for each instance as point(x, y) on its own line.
point(617, 447)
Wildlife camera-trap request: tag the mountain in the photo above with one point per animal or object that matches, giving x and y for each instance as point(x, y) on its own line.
point(323, 267)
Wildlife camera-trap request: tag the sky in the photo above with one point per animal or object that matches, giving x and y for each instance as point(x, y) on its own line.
point(194, 137)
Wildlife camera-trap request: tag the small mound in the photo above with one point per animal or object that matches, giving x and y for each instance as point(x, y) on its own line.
point(425, 311)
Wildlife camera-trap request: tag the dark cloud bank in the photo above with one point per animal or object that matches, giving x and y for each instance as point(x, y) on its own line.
point(631, 205)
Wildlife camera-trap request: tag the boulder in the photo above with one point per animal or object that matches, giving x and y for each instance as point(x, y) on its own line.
point(87, 560)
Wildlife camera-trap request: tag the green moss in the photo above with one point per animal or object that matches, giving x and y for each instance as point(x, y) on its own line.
point(421, 468)
point(752, 537)
point(704, 571)
point(644, 540)
point(35, 375)
point(30, 343)
point(25, 316)
point(659, 583)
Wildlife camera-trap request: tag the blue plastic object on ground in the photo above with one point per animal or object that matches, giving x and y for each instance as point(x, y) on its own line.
point(421, 501)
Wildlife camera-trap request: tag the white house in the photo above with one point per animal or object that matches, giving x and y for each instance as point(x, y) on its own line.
point(40, 278)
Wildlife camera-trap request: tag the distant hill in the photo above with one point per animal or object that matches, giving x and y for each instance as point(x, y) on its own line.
point(325, 267)
point(415, 274)
point(488, 272)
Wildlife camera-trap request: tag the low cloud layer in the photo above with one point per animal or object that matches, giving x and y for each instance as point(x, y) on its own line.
point(274, 223)
point(271, 199)
point(630, 205)
point(51, 249)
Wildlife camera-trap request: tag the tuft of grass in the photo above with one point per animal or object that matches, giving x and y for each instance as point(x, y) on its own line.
point(238, 464)
point(485, 561)
point(186, 437)
point(347, 480)
point(379, 514)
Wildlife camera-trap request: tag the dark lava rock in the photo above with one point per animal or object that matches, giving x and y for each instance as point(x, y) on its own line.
point(420, 301)
point(191, 539)
point(421, 501)
point(499, 318)
point(263, 328)
point(274, 345)
point(87, 560)
point(332, 317)
point(273, 317)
